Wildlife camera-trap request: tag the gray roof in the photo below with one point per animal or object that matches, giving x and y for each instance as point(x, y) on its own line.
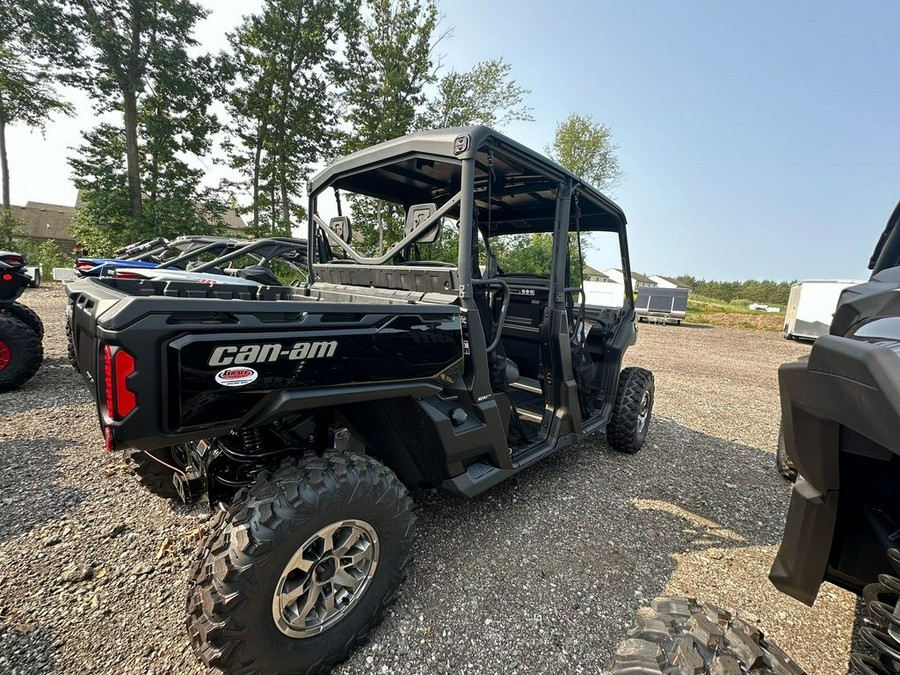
point(425, 167)
point(640, 277)
point(671, 281)
point(45, 221)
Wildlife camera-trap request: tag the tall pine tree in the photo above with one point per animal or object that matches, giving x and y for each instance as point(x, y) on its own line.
point(281, 104)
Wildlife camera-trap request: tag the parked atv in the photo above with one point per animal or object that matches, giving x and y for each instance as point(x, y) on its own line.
point(308, 412)
point(21, 329)
point(841, 421)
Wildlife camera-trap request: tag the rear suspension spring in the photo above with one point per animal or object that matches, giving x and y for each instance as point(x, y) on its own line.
point(883, 631)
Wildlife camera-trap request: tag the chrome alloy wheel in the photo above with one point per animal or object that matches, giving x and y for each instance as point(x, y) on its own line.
point(325, 578)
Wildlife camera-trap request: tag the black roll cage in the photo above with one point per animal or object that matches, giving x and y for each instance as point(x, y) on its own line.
point(462, 147)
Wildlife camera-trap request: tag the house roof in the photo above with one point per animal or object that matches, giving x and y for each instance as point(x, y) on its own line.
point(53, 221)
point(670, 280)
point(45, 221)
point(589, 271)
point(640, 277)
point(233, 221)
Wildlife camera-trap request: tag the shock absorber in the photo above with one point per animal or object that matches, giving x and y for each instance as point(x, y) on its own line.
point(883, 631)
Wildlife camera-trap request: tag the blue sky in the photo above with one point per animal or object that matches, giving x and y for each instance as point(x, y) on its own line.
point(758, 139)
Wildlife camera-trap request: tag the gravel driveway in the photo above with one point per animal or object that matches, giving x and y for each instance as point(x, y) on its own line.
point(540, 575)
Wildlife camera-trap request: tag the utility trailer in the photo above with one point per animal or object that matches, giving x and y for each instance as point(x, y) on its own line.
point(661, 305)
point(811, 306)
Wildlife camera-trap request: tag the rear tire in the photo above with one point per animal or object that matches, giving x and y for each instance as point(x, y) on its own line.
point(266, 570)
point(21, 353)
point(27, 316)
point(632, 412)
point(36, 281)
point(679, 635)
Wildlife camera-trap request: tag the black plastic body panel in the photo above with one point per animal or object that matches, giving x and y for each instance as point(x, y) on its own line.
point(305, 354)
point(842, 404)
point(12, 288)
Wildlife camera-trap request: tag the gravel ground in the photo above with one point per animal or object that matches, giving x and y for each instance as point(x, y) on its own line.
point(540, 575)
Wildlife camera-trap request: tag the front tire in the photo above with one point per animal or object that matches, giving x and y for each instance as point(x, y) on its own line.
point(679, 635)
point(300, 568)
point(21, 353)
point(627, 429)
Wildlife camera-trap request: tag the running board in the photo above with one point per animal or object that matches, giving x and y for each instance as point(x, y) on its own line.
point(479, 477)
point(529, 416)
point(527, 384)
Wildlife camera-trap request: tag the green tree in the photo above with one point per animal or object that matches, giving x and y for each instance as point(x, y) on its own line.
point(137, 177)
point(484, 95)
point(284, 116)
point(27, 82)
point(122, 53)
point(585, 148)
point(389, 64)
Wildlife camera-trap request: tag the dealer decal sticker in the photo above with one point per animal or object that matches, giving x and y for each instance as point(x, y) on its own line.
point(236, 377)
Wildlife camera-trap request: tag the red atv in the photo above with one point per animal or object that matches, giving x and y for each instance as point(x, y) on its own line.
point(21, 330)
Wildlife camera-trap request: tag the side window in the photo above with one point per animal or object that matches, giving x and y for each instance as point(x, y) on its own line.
point(602, 269)
point(524, 254)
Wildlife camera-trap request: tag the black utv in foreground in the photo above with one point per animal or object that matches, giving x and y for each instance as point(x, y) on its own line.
point(309, 412)
point(841, 423)
point(21, 329)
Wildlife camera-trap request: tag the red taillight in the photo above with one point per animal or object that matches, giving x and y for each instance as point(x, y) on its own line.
point(108, 379)
point(125, 400)
point(117, 366)
point(84, 267)
point(122, 274)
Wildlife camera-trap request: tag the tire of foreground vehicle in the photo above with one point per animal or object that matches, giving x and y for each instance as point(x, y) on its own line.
point(152, 471)
point(679, 635)
point(27, 316)
point(301, 566)
point(631, 414)
point(21, 353)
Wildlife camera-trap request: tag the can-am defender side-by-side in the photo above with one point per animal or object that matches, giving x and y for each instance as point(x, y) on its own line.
point(841, 423)
point(309, 412)
point(21, 329)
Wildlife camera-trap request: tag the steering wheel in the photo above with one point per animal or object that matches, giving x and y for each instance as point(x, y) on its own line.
point(497, 326)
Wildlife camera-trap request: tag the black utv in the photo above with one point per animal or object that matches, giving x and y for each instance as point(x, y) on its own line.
point(309, 412)
point(841, 423)
point(21, 329)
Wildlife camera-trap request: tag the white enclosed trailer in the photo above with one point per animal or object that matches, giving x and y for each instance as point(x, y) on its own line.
point(811, 307)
